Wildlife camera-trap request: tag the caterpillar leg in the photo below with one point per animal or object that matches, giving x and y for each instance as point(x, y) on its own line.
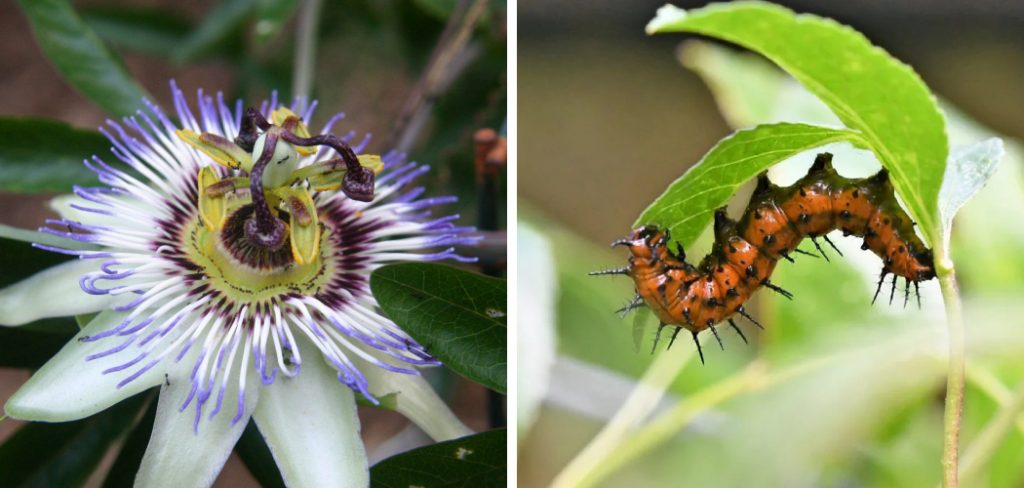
point(738, 331)
point(700, 351)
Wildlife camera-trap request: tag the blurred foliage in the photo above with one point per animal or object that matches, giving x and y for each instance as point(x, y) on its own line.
point(368, 53)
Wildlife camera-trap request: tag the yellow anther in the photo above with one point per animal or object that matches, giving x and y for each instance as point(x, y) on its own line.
point(220, 149)
point(212, 209)
point(304, 223)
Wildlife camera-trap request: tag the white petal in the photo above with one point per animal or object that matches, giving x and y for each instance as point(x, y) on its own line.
point(415, 399)
point(311, 426)
point(68, 387)
point(178, 456)
point(53, 292)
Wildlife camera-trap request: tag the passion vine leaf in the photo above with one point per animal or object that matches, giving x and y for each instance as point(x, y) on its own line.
point(868, 89)
point(688, 204)
point(460, 317)
point(79, 54)
point(472, 461)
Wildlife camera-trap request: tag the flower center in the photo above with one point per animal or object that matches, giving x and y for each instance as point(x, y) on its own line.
point(246, 272)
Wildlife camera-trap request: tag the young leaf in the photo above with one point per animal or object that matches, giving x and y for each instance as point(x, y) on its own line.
point(460, 317)
point(688, 204)
point(969, 169)
point(39, 155)
point(477, 461)
point(867, 89)
point(82, 58)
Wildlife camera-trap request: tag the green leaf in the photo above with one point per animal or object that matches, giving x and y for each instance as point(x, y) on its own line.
point(688, 204)
point(220, 22)
point(39, 155)
point(866, 88)
point(253, 451)
point(64, 454)
point(146, 30)
point(969, 171)
point(81, 57)
point(476, 461)
point(460, 317)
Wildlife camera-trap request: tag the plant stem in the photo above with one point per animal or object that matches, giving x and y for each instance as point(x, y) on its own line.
point(981, 450)
point(305, 48)
point(955, 372)
point(641, 401)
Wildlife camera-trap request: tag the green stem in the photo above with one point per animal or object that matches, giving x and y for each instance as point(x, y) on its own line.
point(955, 372)
point(305, 48)
point(641, 401)
point(980, 451)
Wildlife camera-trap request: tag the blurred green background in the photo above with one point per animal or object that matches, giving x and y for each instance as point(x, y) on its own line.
point(608, 117)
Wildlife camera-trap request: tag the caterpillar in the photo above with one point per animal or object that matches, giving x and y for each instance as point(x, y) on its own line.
point(746, 251)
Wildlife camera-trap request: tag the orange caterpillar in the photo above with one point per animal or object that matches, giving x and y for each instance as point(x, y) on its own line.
point(772, 226)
